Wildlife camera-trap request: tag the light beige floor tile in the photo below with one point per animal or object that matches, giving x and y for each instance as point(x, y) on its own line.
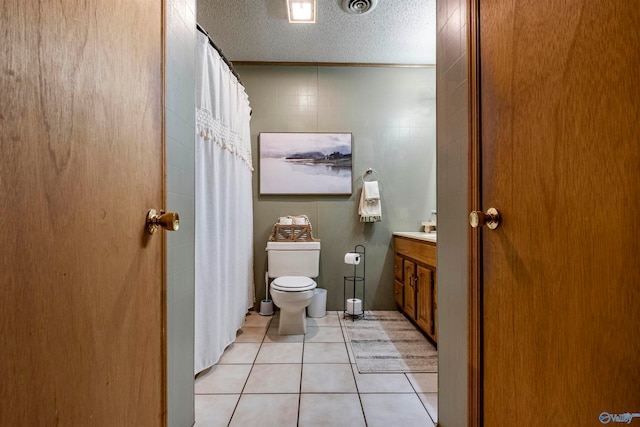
point(214, 410)
point(430, 401)
point(424, 383)
point(251, 334)
point(325, 410)
point(382, 383)
point(331, 319)
point(325, 352)
point(239, 353)
point(273, 336)
point(227, 379)
point(327, 378)
point(323, 334)
point(383, 410)
point(266, 410)
point(254, 319)
point(280, 352)
point(274, 378)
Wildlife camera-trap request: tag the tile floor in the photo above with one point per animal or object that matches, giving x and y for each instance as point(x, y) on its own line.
point(264, 379)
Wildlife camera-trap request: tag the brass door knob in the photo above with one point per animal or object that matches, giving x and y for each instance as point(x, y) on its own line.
point(491, 218)
point(169, 221)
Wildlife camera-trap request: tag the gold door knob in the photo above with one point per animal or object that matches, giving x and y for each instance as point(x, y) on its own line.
point(169, 221)
point(491, 218)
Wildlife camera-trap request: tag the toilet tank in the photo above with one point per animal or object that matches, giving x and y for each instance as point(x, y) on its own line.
point(293, 259)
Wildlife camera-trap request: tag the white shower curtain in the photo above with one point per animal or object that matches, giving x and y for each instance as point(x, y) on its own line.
point(224, 287)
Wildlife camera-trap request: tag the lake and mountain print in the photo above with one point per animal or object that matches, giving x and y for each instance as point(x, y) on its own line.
point(305, 163)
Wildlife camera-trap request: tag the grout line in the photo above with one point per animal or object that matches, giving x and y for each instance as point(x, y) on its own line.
point(250, 370)
point(300, 383)
point(353, 374)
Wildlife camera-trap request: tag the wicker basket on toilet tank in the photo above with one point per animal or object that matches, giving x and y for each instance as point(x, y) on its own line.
point(299, 230)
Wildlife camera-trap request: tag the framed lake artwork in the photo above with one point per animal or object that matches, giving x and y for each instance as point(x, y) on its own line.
point(305, 163)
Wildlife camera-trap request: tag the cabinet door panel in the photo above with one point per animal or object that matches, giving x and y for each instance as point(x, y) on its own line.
point(409, 289)
point(397, 268)
point(424, 300)
point(435, 307)
point(398, 293)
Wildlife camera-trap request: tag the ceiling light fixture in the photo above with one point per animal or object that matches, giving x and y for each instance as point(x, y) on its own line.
point(302, 11)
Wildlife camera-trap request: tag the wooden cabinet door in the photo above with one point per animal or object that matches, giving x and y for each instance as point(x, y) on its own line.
point(424, 300)
point(398, 285)
point(81, 126)
point(398, 293)
point(409, 288)
point(434, 296)
point(561, 162)
point(397, 267)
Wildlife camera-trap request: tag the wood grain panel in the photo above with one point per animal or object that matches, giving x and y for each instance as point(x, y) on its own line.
point(81, 162)
point(398, 292)
point(560, 160)
point(421, 251)
point(397, 267)
point(435, 306)
point(424, 300)
point(409, 289)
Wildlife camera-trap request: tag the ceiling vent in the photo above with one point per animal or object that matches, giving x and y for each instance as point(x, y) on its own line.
point(359, 7)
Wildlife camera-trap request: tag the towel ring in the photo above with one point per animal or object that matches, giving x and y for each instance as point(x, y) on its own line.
point(369, 172)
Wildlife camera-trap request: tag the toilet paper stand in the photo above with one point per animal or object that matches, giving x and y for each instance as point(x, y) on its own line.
point(356, 280)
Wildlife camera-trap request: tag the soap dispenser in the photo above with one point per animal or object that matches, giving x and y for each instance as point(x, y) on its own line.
point(430, 226)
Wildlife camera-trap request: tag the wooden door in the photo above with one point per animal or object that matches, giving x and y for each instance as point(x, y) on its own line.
point(560, 160)
point(409, 288)
point(424, 300)
point(81, 161)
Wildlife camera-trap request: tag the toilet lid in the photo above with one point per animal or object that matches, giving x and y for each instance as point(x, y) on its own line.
point(293, 284)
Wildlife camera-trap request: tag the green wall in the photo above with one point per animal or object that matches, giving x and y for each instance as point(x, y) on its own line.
point(180, 129)
point(391, 112)
point(453, 252)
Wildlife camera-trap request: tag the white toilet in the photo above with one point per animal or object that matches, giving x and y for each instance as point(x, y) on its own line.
point(292, 265)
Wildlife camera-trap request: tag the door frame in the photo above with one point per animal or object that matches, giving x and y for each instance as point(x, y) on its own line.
point(164, 4)
point(474, 201)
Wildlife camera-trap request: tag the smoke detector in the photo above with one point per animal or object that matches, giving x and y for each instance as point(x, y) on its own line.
point(359, 7)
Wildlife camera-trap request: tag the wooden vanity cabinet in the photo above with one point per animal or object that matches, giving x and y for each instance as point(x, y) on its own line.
point(415, 287)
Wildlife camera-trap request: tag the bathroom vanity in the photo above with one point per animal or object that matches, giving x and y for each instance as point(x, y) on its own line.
point(415, 286)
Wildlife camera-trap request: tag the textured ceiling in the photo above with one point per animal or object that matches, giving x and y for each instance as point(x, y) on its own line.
point(395, 32)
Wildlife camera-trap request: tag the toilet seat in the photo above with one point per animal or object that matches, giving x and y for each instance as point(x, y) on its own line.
point(293, 284)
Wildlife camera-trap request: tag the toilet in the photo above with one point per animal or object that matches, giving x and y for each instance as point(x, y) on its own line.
point(293, 265)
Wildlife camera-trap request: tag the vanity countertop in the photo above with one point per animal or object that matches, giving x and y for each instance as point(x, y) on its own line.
point(418, 235)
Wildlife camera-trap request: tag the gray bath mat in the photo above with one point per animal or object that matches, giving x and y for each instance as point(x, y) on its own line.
point(385, 341)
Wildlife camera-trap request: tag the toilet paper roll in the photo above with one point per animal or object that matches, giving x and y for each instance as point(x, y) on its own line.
point(354, 306)
point(352, 258)
point(283, 220)
point(299, 220)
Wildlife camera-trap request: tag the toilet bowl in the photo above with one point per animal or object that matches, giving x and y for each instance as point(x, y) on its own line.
point(292, 294)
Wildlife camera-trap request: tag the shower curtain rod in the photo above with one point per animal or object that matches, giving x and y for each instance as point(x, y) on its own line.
point(224, 58)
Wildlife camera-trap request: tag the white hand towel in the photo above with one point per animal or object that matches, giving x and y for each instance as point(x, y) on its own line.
point(370, 209)
point(372, 191)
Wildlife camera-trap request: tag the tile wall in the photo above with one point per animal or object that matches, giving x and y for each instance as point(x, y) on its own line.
point(391, 113)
